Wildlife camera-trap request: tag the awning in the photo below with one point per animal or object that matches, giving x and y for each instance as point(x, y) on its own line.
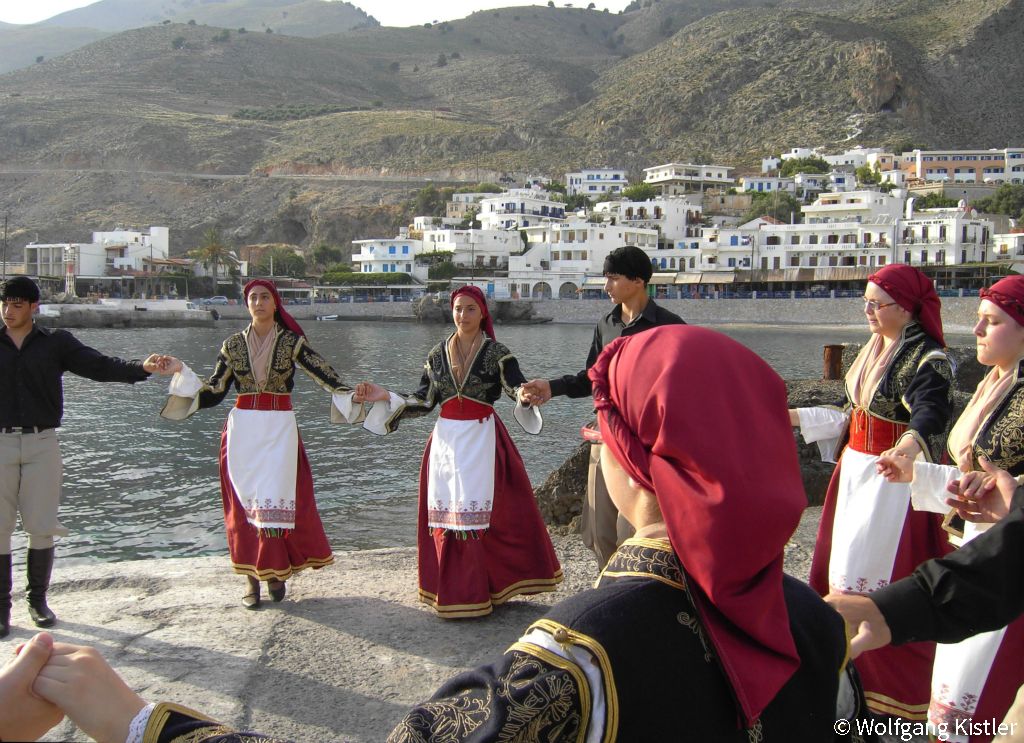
point(842, 273)
point(688, 278)
point(717, 277)
point(663, 278)
point(594, 282)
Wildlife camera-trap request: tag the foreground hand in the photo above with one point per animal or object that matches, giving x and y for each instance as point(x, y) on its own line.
point(536, 391)
point(79, 681)
point(25, 715)
point(865, 625)
point(895, 467)
point(370, 392)
point(983, 497)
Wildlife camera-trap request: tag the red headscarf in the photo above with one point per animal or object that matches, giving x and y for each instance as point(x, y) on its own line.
point(280, 314)
point(914, 292)
point(701, 421)
point(1008, 294)
point(477, 296)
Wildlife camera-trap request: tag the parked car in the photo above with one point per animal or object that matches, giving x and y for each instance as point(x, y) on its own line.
point(214, 300)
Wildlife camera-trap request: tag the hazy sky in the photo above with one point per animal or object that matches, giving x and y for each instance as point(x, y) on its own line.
point(388, 12)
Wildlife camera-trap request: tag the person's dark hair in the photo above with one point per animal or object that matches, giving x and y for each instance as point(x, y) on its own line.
point(20, 287)
point(630, 262)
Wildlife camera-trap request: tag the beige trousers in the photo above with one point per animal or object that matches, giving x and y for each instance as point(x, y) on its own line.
point(602, 528)
point(30, 480)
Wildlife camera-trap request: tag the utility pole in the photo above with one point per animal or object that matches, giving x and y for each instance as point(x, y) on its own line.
point(5, 248)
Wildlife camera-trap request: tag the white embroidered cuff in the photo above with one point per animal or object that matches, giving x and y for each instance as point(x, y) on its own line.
point(529, 417)
point(381, 413)
point(343, 410)
point(184, 383)
point(928, 489)
point(137, 729)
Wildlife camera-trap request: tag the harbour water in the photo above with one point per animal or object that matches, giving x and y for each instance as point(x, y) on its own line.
point(137, 486)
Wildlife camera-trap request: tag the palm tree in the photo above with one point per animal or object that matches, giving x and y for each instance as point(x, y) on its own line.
point(213, 252)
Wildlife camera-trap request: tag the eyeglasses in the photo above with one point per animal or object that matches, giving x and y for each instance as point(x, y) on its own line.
point(872, 305)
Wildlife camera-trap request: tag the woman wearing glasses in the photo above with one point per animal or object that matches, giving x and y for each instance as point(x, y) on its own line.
point(898, 403)
point(977, 679)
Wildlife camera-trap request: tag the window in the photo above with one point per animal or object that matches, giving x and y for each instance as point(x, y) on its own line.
point(405, 250)
point(773, 240)
point(794, 239)
point(392, 250)
point(812, 261)
point(408, 268)
point(812, 239)
point(794, 260)
point(881, 260)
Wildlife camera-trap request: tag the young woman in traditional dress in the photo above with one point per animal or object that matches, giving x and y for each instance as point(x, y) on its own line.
point(979, 677)
point(480, 535)
point(273, 527)
point(899, 402)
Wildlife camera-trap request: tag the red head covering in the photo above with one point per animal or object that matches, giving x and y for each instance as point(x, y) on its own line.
point(914, 292)
point(280, 314)
point(477, 296)
point(701, 421)
point(1008, 295)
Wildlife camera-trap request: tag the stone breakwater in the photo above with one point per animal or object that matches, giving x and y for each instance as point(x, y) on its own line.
point(958, 313)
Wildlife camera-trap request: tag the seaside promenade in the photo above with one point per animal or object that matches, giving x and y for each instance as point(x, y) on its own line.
point(342, 659)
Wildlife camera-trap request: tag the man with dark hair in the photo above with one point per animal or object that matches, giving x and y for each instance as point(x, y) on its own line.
point(32, 362)
point(627, 271)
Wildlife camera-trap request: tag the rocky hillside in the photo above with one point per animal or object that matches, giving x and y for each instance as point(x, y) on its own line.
point(258, 133)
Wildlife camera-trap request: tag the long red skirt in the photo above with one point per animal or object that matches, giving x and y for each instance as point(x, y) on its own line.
point(463, 578)
point(897, 679)
point(274, 558)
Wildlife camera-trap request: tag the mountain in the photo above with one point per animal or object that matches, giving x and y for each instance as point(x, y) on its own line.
point(274, 137)
point(293, 17)
point(22, 45)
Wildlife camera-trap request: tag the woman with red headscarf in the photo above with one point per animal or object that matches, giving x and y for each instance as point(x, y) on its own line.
point(273, 527)
point(979, 677)
point(899, 402)
point(481, 537)
point(693, 632)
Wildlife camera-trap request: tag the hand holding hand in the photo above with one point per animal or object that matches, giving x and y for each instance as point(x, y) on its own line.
point(163, 365)
point(894, 466)
point(536, 391)
point(865, 625)
point(983, 497)
point(79, 681)
point(26, 716)
point(370, 392)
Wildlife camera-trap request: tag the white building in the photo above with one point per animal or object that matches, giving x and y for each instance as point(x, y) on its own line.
point(560, 257)
point(520, 207)
point(1008, 245)
point(595, 182)
point(674, 179)
point(852, 159)
point(676, 218)
point(944, 237)
point(460, 203)
point(770, 164)
point(799, 153)
point(767, 184)
point(109, 254)
point(479, 248)
point(390, 255)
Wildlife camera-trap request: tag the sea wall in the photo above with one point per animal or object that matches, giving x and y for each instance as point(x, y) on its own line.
point(92, 316)
point(957, 313)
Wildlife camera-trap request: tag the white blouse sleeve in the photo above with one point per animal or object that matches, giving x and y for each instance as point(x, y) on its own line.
point(928, 489)
point(824, 427)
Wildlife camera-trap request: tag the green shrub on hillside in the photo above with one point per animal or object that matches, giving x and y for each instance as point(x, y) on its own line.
point(291, 113)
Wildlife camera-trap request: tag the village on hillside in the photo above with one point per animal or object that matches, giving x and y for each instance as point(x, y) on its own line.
point(810, 224)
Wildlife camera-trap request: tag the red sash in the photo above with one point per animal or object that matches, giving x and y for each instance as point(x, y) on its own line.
point(264, 401)
point(464, 409)
point(871, 435)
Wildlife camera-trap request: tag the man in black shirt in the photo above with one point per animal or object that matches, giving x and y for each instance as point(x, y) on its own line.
point(32, 362)
point(627, 271)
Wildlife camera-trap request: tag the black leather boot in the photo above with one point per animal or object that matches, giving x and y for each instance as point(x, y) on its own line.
point(5, 595)
point(40, 563)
